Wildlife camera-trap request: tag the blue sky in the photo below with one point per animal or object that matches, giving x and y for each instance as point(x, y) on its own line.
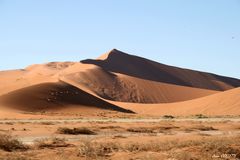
point(202, 35)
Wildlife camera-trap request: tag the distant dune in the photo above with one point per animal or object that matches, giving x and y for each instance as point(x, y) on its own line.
point(120, 82)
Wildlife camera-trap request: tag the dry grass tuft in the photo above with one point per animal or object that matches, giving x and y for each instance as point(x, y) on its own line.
point(9, 143)
point(14, 156)
point(200, 116)
point(95, 150)
point(140, 130)
point(47, 123)
point(168, 117)
point(75, 131)
point(51, 143)
point(204, 128)
point(110, 127)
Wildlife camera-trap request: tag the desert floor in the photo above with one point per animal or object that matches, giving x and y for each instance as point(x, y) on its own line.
point(120, 138)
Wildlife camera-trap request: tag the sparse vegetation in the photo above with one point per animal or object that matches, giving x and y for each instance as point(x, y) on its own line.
point(157, 140)
point(200, 116)
point(154, 129)
point(47, 123)
point(14, 157)
point(208, 146)
point(94, 150)
point(168, 117)
point(9, 143)
point(140, 130)
point(75, 131)
point(182, 155)
point(9, 123)
point(204, 128)
point(167, 127)
point(51, 143)
point(110, 127)
point(118, 143)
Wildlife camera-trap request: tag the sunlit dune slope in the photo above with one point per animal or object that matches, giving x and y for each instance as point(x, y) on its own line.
point(39, 73)
point(224, 103)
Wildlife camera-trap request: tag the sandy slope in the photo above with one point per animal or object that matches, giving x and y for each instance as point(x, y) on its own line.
point(11, 80)
point(34, 74)
point(224, 103)
point(119, 62)
point(54, 96)
point(125, 88)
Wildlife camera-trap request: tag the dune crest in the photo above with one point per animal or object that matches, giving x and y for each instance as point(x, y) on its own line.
point(120, 62)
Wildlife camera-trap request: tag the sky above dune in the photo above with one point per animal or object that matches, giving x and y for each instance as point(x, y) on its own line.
point(201, 35)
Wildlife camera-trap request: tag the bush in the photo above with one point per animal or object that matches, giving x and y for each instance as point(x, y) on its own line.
point(168, 117)
point(8, 143)
point(95, 150)
point(200, 116)
point(140, 130)
point(205, 128)
point(51, 143)
point(75, 131)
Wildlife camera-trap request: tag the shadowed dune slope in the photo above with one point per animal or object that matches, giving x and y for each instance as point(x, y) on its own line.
point(54, 96)
point(118, 87)
point(119, 62)
point(224, 103)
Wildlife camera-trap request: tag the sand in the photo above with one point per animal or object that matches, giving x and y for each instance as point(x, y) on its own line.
point(54, 96)
point(224, 103)
point(124, 88)
point(120, 62)
point(117, 82)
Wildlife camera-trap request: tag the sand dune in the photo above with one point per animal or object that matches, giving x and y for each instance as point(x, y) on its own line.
point(11, 80)
point(224, 103)
point(32, 75)
point(111, 82)
point(53, 96)
point(118, 87)
point(119, 62)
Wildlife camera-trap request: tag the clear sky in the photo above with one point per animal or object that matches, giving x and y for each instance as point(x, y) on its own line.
point(202, 35)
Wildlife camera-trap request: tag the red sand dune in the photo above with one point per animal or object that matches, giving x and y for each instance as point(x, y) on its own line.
point(118, 87)
point(34, 74)
point(224, 103)
point(119, 62)
point(114, 78)
point(53, 96)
